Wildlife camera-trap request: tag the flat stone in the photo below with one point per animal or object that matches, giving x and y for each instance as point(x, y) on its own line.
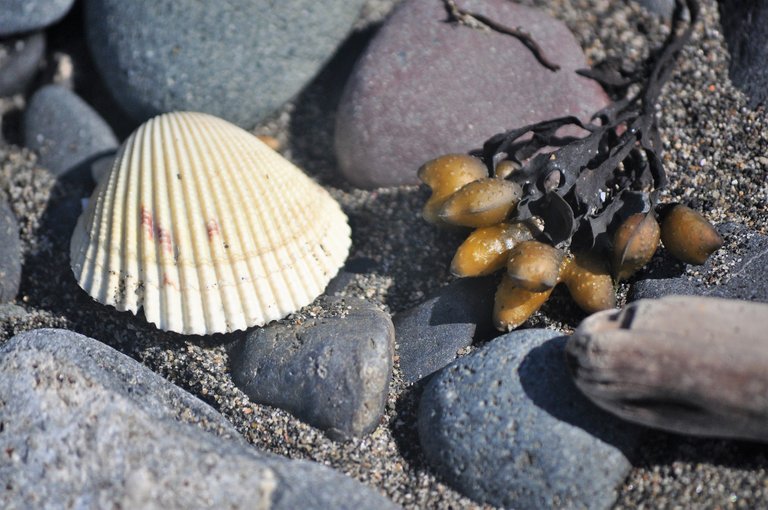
point(739, 271)
point(687, 364)
point(10, 254)
point(87, 427)
point(425, 87)
point(239, 60)
point(17, 16)
point(745, 28)
point(430, 334)
point(19, 61)
point(68, 135)
point(331, 372)
point(505, 425)
point(663, 8)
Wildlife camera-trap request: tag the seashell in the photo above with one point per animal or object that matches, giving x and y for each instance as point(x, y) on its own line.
point(207, 229)
point(534, 266)
point(688, 236)
point(634, 244)
point(589, 282)
point(481, 203)
point(446, 175)
point(485, 250)
point(513, 305)
point(688, 364)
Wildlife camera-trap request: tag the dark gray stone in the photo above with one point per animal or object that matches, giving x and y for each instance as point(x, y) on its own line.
point(740, 271)
point(19, 61)
point(663, 8)
point(87, 427)
point(505, 425)
point(429, 335)
point(10, 254)
point(332, 372)
point(745, 28)
point(688, 364)
point(425, 87)
point(17, 16)
point(68, 135)
point(238, 60)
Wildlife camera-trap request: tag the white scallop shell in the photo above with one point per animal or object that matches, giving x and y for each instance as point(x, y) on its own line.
point(207, 229)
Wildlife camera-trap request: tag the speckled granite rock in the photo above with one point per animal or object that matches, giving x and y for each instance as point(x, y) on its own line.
point(745, 27)
point(87, 427)
point(429, 334)
point(18, 16)
point(332, 373)
point(67, 134)
point(505, 425)
point(688, 364)
point(738, 271)
point(238, 60)
point(19, 61)
point(10, 254)
point(425, 87)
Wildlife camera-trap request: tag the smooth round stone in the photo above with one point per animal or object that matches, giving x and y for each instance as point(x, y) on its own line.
point(425, 87)
point(10, 254)
point(745, 28)
point(19, 60)
point(663, 8)
point(687, 364)
point(741, 271)
point(505, 425)
point(85, 426)
point(238, 60)
point(18, 16)
point(332, 372)
point(68, 135)
point(430, 334)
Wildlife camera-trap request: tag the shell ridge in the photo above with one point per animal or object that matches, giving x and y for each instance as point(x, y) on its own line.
point(150, 273)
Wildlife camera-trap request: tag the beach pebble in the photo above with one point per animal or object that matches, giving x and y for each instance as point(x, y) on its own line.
point(687, 364)
point(745, 28)
point(10, 254)
point(330, 372)
point(505, 425)
point(739, 271)
point(239, 59)
point(19, 61)
point(663, 8)
point(429, 334)
point(425, 87)
point(87, 427)
point(18, 16)
point(68, 135)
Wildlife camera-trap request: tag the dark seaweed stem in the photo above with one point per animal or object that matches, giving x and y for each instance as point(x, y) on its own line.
point(590, 184)
point(472, 19)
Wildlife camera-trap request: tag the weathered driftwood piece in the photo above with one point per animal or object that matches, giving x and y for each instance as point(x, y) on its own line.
point(692, 365)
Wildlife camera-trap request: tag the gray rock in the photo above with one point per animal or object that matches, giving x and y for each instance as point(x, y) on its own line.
point(739, 270)
point(687, 364)
point(19, 61)
point(239, 60)
point(745, 28)
point(18, 16)
point(505, 425)
point(10, 254)
point(663, 8)
point(425, 87)
point(429, 335)
point(67, 134)
point(332, 372)
point(87, 427)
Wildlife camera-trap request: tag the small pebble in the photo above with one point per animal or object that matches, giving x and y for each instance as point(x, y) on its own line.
point(68, 135)
point(687, 364)
point(10, 254)
point(426, 87)
point(19, 61)
point(430, 334)
point(330, 372)
point(17, 16)
point(505, 425)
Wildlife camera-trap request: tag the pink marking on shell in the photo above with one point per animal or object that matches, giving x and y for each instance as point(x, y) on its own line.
point(147, 223)
point(164, 238)
point(169, 282)
point(213, 229)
